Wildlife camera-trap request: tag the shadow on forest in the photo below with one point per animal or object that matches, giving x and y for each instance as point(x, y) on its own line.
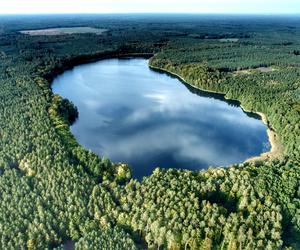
point(223, 200)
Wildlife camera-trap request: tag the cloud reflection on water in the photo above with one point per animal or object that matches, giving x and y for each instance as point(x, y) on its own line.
point(129, 113)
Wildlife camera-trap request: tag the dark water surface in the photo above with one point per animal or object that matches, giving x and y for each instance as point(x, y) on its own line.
point(129, 113)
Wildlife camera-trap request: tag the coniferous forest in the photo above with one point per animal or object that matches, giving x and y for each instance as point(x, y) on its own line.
point(55, 193)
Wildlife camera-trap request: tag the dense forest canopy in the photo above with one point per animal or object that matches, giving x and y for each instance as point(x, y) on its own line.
point(53, 191)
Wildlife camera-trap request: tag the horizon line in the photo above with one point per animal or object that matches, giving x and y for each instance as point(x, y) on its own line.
point(152, 13)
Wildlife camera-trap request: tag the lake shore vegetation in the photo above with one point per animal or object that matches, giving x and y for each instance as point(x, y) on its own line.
point(54, 191)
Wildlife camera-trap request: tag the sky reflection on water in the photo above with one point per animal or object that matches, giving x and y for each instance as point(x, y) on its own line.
point(132, 114)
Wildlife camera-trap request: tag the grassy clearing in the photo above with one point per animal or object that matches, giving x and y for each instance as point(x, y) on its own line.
point(63, 31)
point(260, 69)
point(229, 40)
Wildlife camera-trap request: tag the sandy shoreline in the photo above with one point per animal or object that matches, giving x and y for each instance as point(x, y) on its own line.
point(276, 147)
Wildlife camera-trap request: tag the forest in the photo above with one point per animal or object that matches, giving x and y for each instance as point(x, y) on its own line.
point(54, 192)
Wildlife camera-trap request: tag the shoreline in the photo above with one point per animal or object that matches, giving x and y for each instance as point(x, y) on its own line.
point(276, 146)
point(274, 140)
point(69, 64)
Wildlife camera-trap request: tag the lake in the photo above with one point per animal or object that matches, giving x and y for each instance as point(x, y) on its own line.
point(130, 113)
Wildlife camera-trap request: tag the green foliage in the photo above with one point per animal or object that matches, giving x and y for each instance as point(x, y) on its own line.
point(53, 191)
point(104, 237)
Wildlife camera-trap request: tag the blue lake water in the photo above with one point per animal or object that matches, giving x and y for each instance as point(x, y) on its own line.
point(130, 113)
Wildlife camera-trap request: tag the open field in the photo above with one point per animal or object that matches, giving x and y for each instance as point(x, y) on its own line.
point(229, 40)
point(259, 69)
point(63, 31)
